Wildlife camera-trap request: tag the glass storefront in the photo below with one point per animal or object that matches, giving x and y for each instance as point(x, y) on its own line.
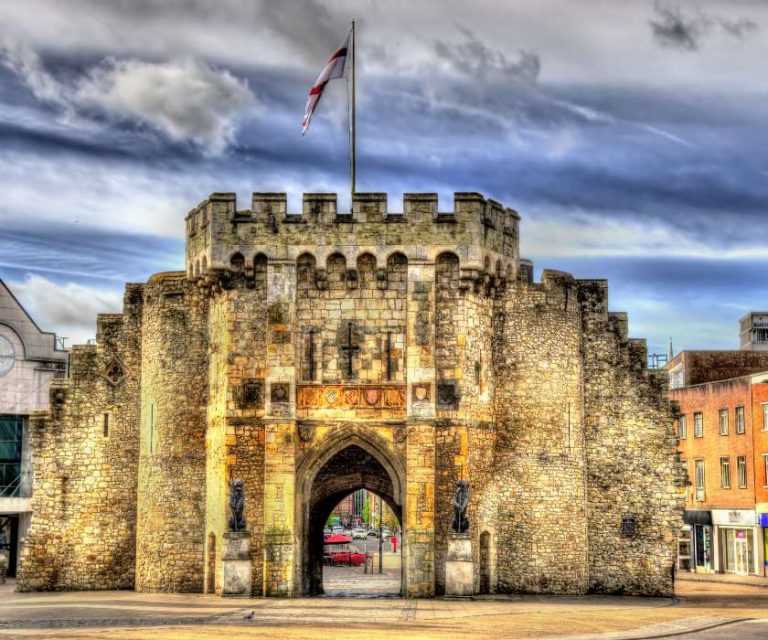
point(738, 549)
point(702, 543)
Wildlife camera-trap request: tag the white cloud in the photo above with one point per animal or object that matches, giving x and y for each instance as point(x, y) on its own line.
point(70, 309)
point(576, 233)
point(186, 100)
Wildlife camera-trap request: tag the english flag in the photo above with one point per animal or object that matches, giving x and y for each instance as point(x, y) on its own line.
point(335, 68)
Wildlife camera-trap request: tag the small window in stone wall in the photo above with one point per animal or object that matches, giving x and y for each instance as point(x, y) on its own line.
point(629, 526)
point(105, 425)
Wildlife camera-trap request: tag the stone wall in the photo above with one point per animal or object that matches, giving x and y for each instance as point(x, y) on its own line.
point(635, 484)
point(85, 460)
point(538, 481)
point(172, 465)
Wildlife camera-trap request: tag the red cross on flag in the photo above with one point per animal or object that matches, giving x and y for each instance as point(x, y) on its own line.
point(335, 68)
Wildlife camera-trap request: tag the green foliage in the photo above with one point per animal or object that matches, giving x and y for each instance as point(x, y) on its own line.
point(366, 516)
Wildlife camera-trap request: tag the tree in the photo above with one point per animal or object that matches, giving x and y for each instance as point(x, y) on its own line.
point(366, 516)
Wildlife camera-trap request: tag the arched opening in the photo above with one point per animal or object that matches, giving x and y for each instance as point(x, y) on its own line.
point(366, 268)
point(345, 465)
point(362, 548)
point(485, 562)
point(237, 262)
point(210, 578)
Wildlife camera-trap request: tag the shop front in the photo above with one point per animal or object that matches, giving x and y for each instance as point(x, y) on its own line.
point(737, 541)
point(763, 522)
point(699, 525)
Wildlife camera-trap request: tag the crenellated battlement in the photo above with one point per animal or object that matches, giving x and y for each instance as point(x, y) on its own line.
point(478, 229)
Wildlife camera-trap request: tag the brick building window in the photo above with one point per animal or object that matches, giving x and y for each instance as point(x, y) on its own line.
point(682, 428)
point(722, 418)
point(699, 479)
point(765, 469)
point(741, 471)
point(725, 473)
point(739, 419)
point(698, 425)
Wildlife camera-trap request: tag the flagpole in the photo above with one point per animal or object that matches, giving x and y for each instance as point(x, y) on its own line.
point(352, 121)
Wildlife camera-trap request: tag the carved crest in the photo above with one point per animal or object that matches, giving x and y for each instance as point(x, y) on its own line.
point(421, 392)
point(306, 432)
point(352, 397)
point(372, 396)
point(393, 397)
point(399, 434)
point(114, 372)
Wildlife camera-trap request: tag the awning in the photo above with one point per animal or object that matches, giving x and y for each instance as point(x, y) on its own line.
point(697, 516)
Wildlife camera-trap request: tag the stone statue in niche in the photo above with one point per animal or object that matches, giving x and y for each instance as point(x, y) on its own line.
point(460, 523)
point(236, 506)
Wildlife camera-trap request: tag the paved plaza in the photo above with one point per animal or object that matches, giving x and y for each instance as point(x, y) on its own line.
point(701, 610)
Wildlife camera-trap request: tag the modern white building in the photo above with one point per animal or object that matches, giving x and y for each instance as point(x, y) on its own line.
point(29, 360)
point(754, 331)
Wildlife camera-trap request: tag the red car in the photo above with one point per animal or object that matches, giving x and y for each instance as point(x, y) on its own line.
point(339, 551)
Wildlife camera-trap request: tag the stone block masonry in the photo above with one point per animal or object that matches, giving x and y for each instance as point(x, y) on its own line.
point(313, 354)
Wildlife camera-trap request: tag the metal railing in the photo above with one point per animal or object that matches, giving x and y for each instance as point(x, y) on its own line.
point(10, 480)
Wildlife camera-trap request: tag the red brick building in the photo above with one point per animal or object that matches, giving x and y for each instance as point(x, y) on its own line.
point(723, 442)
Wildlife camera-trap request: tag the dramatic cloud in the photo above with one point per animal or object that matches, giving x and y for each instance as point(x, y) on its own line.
point(615, 149)
point(186, 100)
point(477, 60)
point(69, 310)
point(675, 28)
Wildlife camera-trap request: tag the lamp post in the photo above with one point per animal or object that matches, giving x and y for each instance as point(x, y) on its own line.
point(381, 541)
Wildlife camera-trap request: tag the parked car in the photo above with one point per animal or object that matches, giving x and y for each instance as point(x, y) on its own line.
point(327, 531)
point(359, 533)
point(338, 529)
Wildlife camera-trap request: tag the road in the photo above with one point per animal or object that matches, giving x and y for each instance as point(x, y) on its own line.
point(701, 611)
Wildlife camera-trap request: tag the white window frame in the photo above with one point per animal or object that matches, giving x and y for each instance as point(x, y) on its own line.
point(741, 471)
point(765, 416)
point(698, 425)
point(722, 422)
point(682, 427)
point(725, 472)
point(701, 487)
point(739, 418)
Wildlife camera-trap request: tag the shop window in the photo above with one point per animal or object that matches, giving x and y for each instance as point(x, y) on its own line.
point(723, 421)
point(739, 419)
point(699, 479)
point(698, 425)
point(682, 428)
point(741, 471)
point(725, 473)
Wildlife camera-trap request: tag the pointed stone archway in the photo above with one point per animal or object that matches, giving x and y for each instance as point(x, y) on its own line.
point(335, 467)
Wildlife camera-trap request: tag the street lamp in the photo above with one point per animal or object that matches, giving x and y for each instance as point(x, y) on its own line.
point(381, 541)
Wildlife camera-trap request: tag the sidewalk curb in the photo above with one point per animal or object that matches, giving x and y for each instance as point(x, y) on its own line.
point(673, 634)
point(716, 580)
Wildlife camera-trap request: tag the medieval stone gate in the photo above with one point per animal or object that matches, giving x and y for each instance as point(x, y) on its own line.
point(312, 354)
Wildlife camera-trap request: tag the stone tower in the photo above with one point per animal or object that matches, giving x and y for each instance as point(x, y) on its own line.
point(313, 354)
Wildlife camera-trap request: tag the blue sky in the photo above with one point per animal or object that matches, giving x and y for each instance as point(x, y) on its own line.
point(632, 137)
